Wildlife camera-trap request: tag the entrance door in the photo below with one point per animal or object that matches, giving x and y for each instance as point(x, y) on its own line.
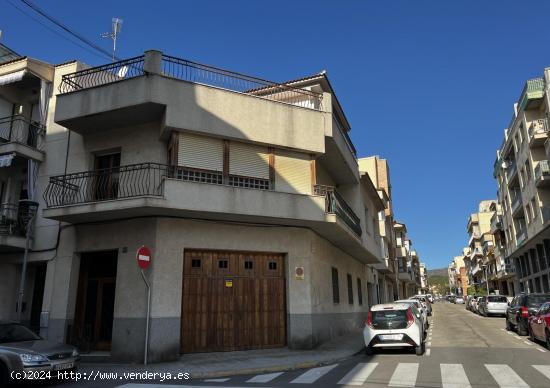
point(37, 296)
point(96, 300)
point(107, 175)
point(232, 301)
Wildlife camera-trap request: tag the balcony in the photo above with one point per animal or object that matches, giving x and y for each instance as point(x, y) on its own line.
point(517, 208)
point(150, 189)
point(538, 132)
point(185, 95)
point(496, 223)
point(511, 172)
point(532, 94)
point(13, 223)
point(22, 137)
point(542, 174)
point(521, 236)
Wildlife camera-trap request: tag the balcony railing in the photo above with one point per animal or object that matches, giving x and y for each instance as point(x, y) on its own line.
point(14, 218)
point(521, 236)
point(534, 88)
point(538, 127)
point(17, 129)
point(336, 204)
point(511, 170)
point(542, 170)
point(516, 202)
point(186, 70)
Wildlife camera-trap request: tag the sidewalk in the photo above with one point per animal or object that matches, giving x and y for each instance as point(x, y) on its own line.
point(209, 365)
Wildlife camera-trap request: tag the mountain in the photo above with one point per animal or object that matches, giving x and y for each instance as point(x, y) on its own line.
point(437, 272)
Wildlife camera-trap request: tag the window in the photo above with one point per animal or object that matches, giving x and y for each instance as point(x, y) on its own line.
point(528, 169)
point(359, 292)
point(195, 263)
point(527, 214)
point(224, 264)
point(367, 218)
point(533, 209)
point(272, 266)
point(522, 180)
point(335, 287)
point(350, 289)
point(248, 264)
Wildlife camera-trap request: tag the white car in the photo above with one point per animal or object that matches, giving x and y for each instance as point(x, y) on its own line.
point(394, 325)
point(459, 300)
point(420, 307)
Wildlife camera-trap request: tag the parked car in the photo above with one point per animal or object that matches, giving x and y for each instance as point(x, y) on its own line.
point(493, 305)
point(425, 302)
point(430, 298)
point(469, 301)
point(394, 325)
point(459, 300)
point(480, 305)
point(420, 307)
point(21, 350)
point(521, 308)
point(539, 325)
point(473, 304)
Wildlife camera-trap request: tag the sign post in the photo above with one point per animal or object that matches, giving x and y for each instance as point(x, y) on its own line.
point(143, 257)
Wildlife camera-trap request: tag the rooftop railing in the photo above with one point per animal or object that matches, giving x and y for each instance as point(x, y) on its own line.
point(190, 71)
point(18, 129)
point(336, 204)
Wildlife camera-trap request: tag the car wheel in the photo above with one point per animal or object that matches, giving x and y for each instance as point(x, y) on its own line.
point(521, 329)
point(547, 339)
point(508, 325)
point(419, 350)
point(369, 351)
point(4, 375)
point(531, 335)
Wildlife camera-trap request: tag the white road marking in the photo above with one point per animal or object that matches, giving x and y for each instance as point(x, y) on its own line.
point(428, 352)
point(544, 369)
point(404, 375)
point(216, 380)
point(509, 332)
point(505, 376)
point(359, 374)
point(541, 350)
point(429, 344)
point(502, 329)
point(527, 342)
point(454, 376)
point(313, 375)
point(264, 378)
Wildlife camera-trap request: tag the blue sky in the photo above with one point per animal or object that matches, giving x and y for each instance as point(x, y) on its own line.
point(429, 85)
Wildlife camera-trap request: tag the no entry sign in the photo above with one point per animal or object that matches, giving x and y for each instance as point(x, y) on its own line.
point(143, 257)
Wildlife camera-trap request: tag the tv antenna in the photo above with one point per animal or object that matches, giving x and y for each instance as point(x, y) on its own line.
point(117, 27)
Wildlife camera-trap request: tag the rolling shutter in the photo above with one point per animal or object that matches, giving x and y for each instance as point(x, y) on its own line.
point(205, 153)
point(248, 160)
point(292, 172)
point(6, 108)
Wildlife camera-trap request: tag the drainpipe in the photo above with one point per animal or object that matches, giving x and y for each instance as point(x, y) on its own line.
point(24, 269)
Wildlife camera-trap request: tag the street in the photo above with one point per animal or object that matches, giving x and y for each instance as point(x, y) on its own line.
point(462, 350)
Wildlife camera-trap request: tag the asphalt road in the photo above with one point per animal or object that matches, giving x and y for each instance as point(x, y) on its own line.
point(462, 350)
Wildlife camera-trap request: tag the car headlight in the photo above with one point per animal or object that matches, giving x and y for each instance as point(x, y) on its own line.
point(75, 353)
point(26, 358)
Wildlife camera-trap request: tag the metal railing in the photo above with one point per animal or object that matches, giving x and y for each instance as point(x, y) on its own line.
point(336, 204)
point(102, 75)
point(10, 222)
point(345, 134)
point(538, 127)
point(511, 170)
point(186, 70)
point(516, 202)
point(18, 129)
point(542, 169)
point(521, 236)
point(135, 180)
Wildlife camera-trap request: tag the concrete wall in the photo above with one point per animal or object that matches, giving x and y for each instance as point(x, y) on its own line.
point(312, 315)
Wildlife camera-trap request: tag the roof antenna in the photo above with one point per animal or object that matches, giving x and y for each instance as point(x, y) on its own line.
point(117, 27)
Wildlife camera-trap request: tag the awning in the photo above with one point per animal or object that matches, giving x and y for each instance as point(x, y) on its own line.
point(5, 160)
point(12, 77)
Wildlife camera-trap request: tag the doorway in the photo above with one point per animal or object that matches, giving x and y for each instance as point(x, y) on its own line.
point(94, 315)
point(107, 176)
point(37, 296)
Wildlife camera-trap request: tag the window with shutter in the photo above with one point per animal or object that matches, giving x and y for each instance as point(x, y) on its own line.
point(292, 172)
point(200, 152)
point(248, 160)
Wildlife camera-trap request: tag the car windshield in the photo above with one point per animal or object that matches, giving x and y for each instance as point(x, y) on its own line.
point(535, 301)
point(497, 299)
point(12, 332)
point(389, 319)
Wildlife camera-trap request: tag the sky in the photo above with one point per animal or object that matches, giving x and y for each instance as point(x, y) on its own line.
point(428, 85)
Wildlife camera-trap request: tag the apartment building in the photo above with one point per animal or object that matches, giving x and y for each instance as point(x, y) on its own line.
point(458, 275)
point(407, 262)
point(245, 191)
point(378, 171)
point(25, 89)
point(423, 279)
point(501, 270)
point(522, 173)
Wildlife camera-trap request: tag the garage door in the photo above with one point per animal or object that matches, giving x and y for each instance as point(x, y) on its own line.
point(232, 301)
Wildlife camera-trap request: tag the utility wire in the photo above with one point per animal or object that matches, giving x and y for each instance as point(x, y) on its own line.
point(52, 29)
point(67, 29)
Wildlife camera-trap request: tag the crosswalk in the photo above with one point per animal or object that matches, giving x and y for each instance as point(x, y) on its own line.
point(406, 374)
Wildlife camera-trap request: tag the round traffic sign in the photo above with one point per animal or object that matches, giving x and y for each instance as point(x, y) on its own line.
point(143, 257)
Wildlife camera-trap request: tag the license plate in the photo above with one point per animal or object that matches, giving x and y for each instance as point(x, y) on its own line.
point(67, 365)
point(391, 337)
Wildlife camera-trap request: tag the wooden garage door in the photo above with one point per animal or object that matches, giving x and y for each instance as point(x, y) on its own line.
point(232, 301)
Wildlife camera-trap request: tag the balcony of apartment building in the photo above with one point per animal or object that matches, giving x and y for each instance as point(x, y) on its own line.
point(14, 217)
point(147, 189)
point(403, 272)
point(538, 132)
point(517, 205)
point(496, 223)
point(521, 236)
point(542, 174)
point(532, 94)
point(512, 173)
point(186, 95)
point(21, 137)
